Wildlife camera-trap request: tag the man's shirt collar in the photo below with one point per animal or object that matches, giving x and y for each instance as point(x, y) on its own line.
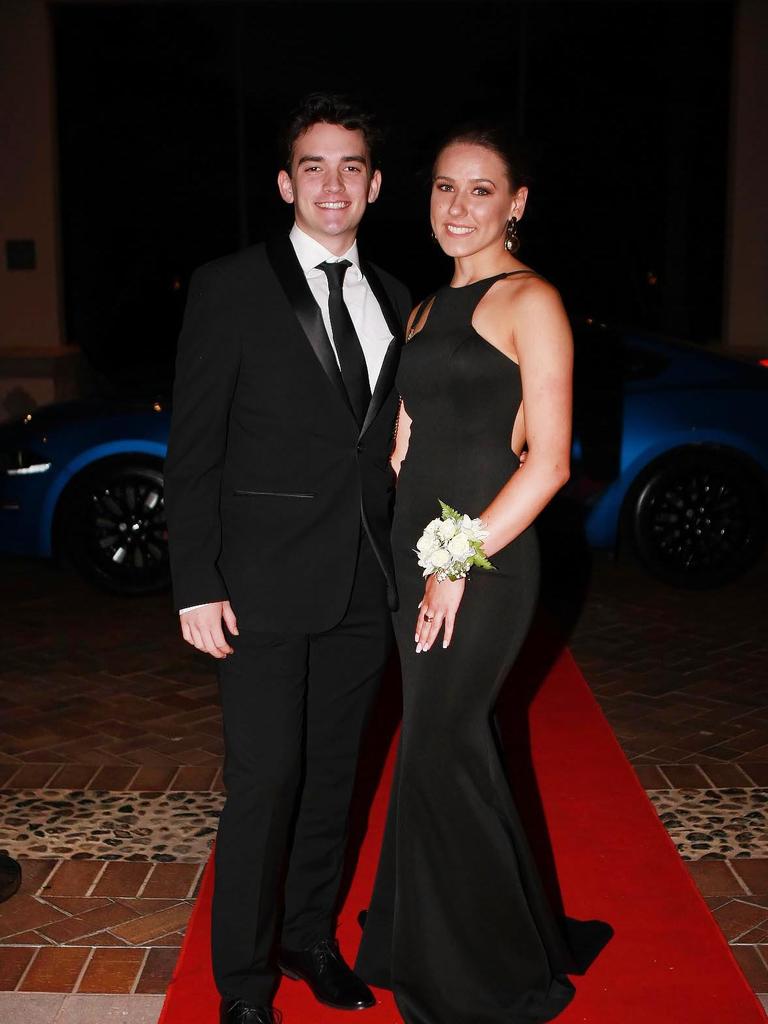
point(310, 253)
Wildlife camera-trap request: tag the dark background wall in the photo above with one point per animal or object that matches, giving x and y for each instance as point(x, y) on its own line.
point(168, 115)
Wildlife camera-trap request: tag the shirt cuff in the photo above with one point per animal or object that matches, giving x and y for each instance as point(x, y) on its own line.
point(193, 606)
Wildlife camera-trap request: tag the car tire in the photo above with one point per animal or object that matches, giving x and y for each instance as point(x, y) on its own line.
point(697, 519)
point(112, 527)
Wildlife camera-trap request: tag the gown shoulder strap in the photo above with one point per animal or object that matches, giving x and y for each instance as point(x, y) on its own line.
point(487, 283)
point(477, 292)
point(530, 273)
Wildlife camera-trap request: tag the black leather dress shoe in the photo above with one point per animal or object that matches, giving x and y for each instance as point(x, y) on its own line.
point(10, 877)
point(237, 1011)
point(331, 980)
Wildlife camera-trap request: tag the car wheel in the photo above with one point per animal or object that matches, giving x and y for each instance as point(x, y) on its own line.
point(698, 519)
point(113, 528)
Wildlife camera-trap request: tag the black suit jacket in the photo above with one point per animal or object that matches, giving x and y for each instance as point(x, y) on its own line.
point(268, 475)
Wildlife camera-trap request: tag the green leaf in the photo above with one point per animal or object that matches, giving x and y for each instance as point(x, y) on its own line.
point(482, 562)
point(448, 512)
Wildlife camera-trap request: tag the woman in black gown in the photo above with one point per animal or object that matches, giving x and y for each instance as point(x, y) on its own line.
point(458, 926)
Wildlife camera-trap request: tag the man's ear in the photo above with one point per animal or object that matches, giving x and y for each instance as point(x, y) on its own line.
point(374, 187)
point(285, 186)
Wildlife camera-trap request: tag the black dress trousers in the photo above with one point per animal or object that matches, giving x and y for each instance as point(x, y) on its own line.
point(295, 707)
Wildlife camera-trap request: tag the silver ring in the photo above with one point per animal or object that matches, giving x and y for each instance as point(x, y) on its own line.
point(428, 618)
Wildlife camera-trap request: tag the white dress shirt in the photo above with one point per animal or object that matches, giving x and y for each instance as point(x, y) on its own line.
point(364, 310)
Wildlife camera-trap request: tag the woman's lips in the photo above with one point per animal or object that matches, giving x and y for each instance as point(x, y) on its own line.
point(458, 229)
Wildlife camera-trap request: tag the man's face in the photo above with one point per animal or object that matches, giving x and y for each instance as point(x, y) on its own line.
point(330, 184)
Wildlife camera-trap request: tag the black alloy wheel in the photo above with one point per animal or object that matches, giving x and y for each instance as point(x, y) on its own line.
point(698, 519)
point(114, 530)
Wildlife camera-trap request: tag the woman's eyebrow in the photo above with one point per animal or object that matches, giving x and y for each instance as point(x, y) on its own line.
point(476, 181)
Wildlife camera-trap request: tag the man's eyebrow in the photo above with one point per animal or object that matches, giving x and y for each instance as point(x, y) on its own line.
point(355, 158)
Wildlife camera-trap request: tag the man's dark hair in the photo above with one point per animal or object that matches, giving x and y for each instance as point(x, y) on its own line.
point(330, 108)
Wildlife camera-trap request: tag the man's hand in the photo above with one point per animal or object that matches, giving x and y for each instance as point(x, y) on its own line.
point(201, 627)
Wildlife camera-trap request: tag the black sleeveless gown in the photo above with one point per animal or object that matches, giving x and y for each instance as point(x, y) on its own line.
point(459, 927)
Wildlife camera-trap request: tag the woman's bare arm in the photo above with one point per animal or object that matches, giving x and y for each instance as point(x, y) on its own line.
point(540, 340)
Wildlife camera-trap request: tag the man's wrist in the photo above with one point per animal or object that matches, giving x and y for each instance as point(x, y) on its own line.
point(193, 607)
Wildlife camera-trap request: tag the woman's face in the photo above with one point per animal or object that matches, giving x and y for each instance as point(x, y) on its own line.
point(472, 200)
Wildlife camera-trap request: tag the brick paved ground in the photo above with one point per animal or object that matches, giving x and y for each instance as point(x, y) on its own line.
point(110, 752)
point(110, 748)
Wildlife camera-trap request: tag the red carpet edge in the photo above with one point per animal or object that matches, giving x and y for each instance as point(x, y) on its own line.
point(668, 962)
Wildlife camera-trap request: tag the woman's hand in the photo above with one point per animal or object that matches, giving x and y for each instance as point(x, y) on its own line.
point(438, 608)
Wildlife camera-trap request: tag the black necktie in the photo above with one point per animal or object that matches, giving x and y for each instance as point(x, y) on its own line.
point(354, 371)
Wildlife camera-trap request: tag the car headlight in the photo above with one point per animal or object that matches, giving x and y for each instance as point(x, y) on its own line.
point(23, 462)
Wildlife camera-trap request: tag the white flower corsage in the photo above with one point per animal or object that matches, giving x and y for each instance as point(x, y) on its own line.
point(450, 546)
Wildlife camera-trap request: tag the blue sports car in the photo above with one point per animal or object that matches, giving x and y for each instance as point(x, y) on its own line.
point(84, 480)
point(670, 454)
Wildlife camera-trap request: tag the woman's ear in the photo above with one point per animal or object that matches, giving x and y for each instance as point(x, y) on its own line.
point(517, 207)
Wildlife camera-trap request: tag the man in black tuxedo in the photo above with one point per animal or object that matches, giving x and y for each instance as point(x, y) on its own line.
point(279, 494)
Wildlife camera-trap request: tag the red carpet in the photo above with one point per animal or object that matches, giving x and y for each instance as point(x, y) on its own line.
point(667, 962)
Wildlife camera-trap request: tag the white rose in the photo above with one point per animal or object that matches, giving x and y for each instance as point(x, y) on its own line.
point(473, 528)
point(447, 529)
point(424, 544)
point(433, 526)
point(440, 558)
point(460, 547)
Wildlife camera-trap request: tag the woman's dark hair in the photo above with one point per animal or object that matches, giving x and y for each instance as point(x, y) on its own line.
point(330, 108)
point(499, 139)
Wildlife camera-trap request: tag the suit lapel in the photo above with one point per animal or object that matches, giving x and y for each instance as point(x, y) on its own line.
point(386, 378)
point(288, 271)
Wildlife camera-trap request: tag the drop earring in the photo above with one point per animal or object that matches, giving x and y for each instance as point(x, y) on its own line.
point(512, 241)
